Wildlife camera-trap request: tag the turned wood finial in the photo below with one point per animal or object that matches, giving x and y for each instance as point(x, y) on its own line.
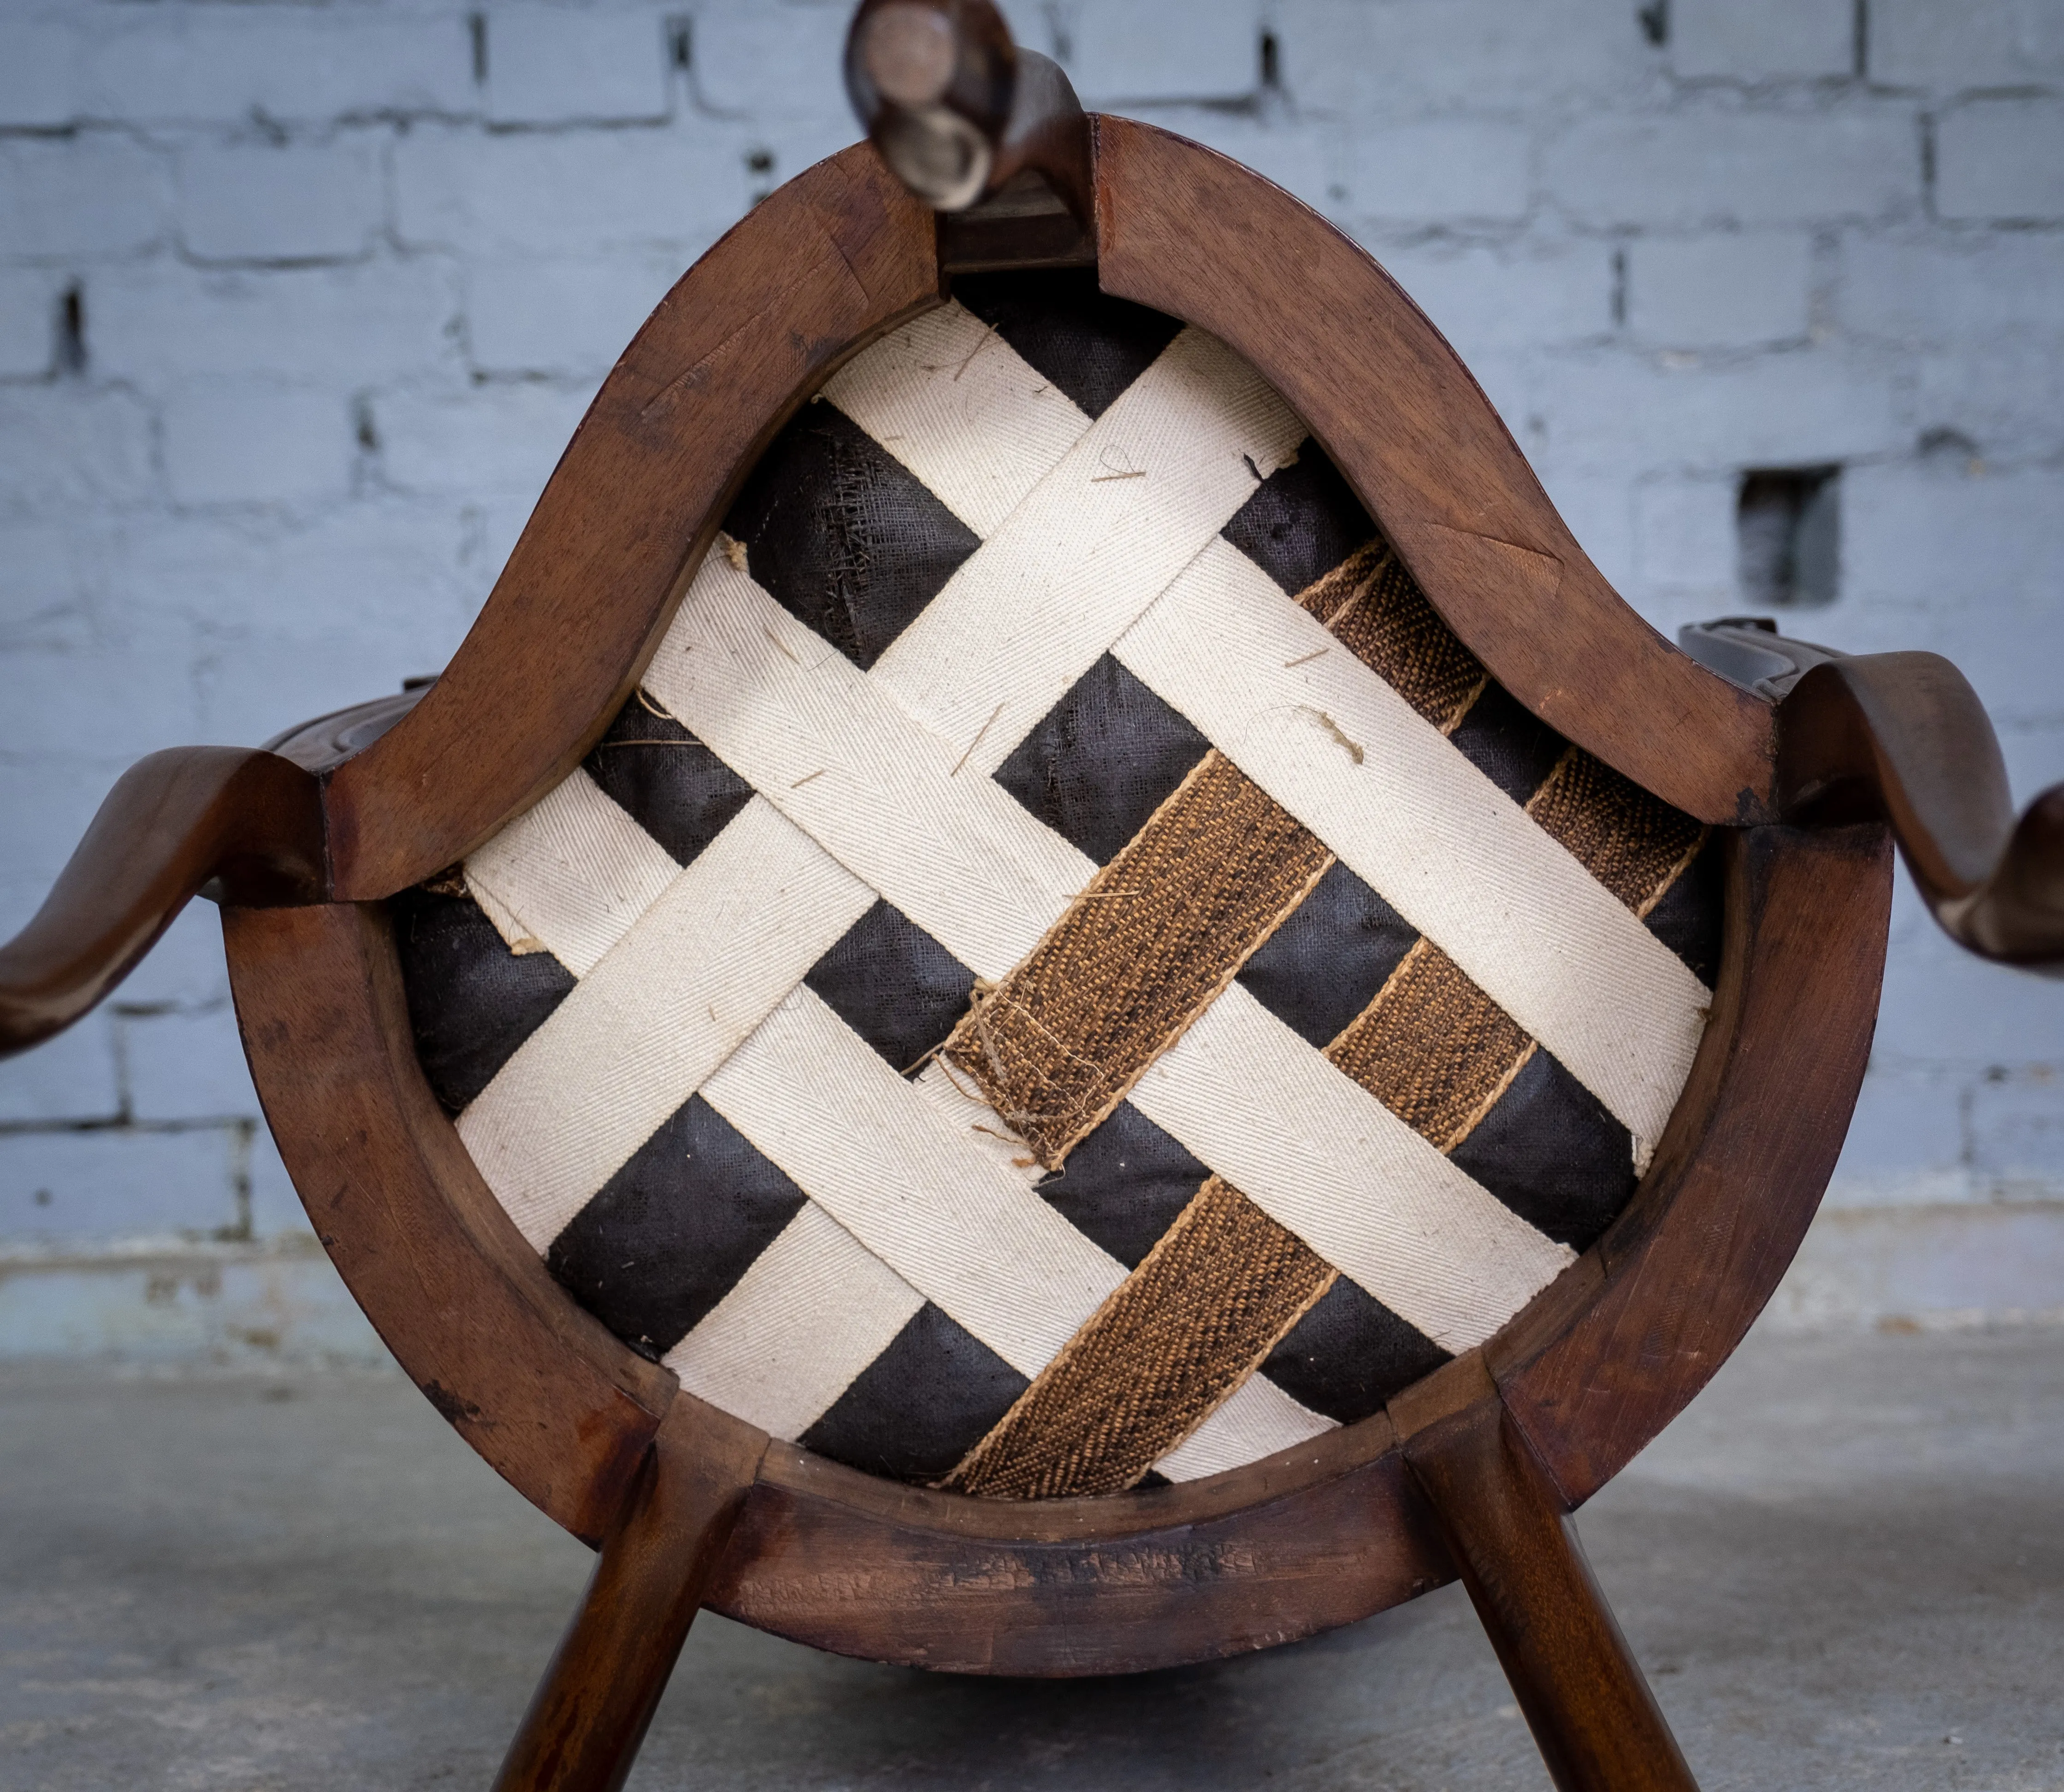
point(956, 110)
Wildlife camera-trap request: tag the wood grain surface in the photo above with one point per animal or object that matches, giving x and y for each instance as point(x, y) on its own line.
point(1592, 1372)
point(583, 1727)
point(1593, 1716)
point(1280, 1549)
point(244, 824)
point(530, 1380)
point(1902, 738)
point(816, 272)
point(1186, 230)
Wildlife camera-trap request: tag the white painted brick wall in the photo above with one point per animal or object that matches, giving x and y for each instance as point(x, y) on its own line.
point(347, 276)
point(28, 326)
point(1973, 43)
point(259, 200)
point(2002, 161)
point(85, 196)
point(1127, 53)
point(1465, 171)
point(1722, 290)
point(553, 66)
point(1722, 163)
point(87, 1185)
point(1763, 40)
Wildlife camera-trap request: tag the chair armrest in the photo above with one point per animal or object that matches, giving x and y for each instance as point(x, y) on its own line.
point(1902, 738)
point(237, 824)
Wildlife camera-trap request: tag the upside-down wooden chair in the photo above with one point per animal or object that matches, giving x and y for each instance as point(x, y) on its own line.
point(1055, 989)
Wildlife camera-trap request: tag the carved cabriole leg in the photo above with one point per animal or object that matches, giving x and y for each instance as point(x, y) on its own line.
point(1598, 1725)
point(589, 1713)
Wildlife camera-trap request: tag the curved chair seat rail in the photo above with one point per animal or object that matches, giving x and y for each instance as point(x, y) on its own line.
point(1465, 1473)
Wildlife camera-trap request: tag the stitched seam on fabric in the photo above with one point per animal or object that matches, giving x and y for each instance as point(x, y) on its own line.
point(1144, 949)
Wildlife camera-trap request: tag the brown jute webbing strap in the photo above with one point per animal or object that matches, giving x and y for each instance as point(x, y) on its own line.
point(1187, 1328)
point(1219, 1288)
point(1161, 930)
point(1146, 948)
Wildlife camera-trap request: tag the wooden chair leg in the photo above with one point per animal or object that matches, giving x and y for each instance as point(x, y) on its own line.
point(589, 1713)
point(1598, 1725)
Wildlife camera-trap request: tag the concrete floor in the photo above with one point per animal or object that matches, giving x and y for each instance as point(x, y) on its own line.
point(1845, 1566)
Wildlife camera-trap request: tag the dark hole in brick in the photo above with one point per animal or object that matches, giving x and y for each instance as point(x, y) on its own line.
point(368, 433)
point(476, 25)
point(679, 45)
point(71, 330)
point(1271, 60)
point(1945, 447)
point(1787, 536)
point(1654, 19)
point(760, 161)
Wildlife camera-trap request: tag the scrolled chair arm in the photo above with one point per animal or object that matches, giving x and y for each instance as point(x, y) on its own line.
point(240, 824)
point(1902, 738)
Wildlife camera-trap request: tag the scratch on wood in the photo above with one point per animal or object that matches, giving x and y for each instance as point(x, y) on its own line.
point(776, 305)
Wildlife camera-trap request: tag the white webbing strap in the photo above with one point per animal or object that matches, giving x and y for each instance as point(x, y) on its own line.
point(812, 1311)
point(942, 849)
point(586, 871)
point(895, 1172)
point(1321, 1155)
point(1464, 863)
point(679, 992)
point(825, 743)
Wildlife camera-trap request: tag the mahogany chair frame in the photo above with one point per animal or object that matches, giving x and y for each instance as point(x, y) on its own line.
point(1471, 1473)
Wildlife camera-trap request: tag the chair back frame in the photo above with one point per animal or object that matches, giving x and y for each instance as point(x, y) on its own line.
point(1586, 1373)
